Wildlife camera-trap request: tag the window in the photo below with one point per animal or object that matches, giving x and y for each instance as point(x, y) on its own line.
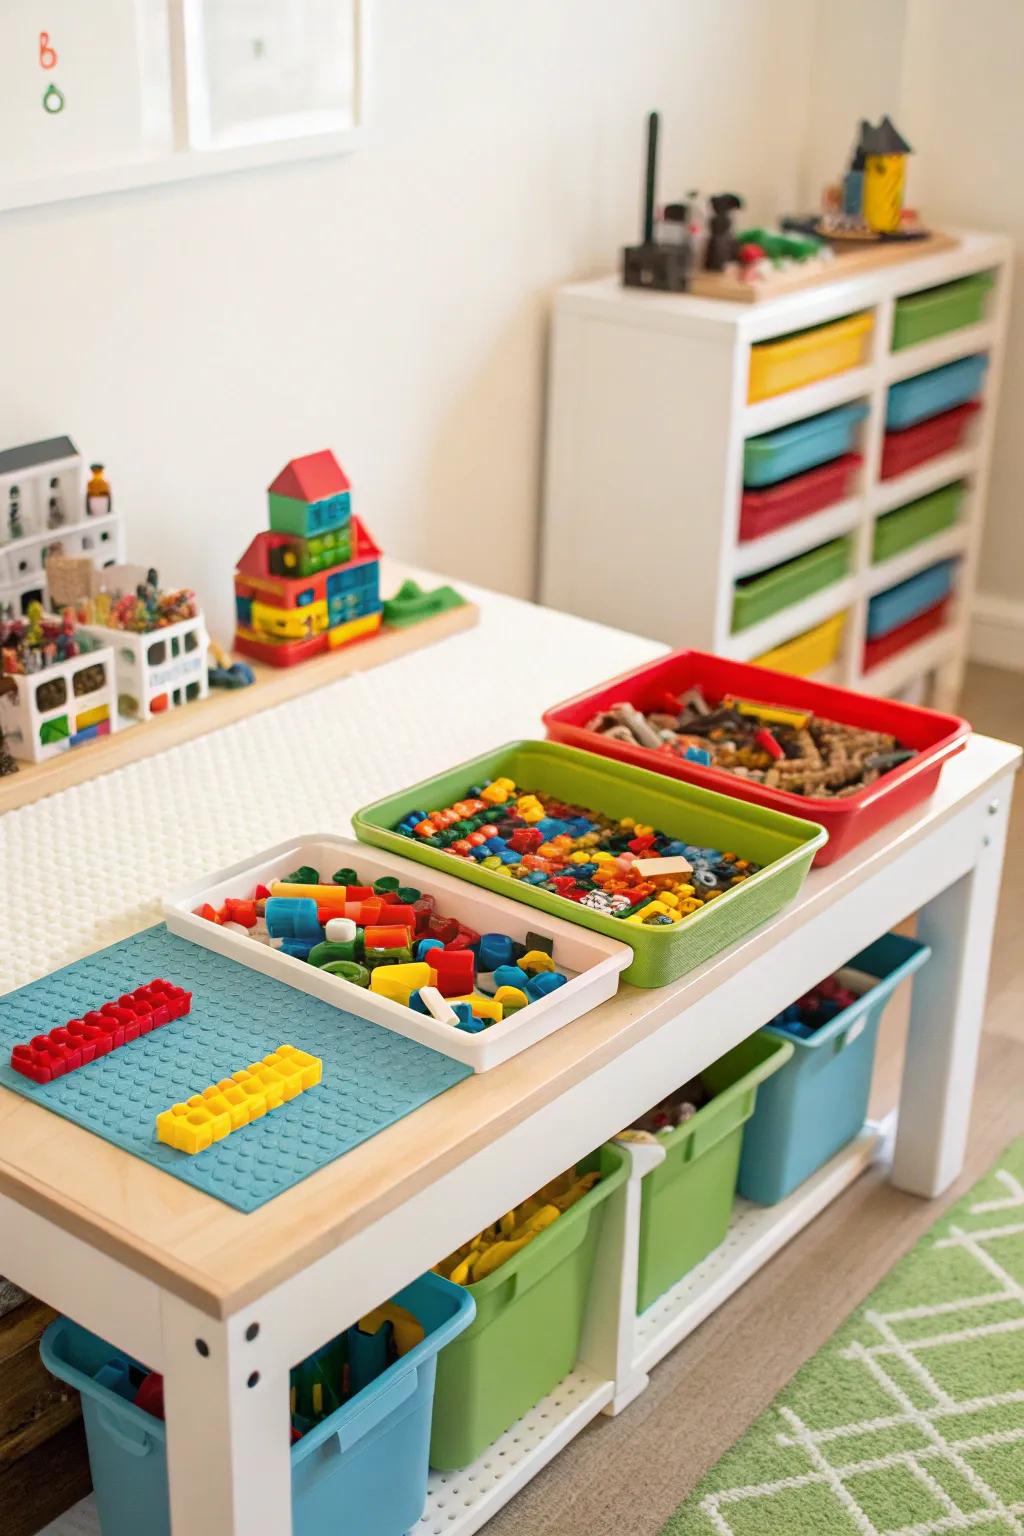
point(157, 653)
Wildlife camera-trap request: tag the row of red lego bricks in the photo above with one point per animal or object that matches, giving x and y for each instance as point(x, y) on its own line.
point(100, 1031)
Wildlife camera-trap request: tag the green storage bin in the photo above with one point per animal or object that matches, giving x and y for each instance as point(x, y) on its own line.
point(758, 597)
point(687, 1200)
point(933, 312)
point(785, 845)
point(526, 1334)
point(918, 520)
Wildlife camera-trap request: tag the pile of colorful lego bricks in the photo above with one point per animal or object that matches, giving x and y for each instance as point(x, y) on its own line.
point(141, 612)
point(39, 640)
point(775, 745)
point(816, 1008)
point(620, 868)
point(503, 1239)
point(393, 940)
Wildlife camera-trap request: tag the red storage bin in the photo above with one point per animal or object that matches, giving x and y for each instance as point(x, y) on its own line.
point(883, 646)
point(848, 821)
point(914, 445)
point(773, 507)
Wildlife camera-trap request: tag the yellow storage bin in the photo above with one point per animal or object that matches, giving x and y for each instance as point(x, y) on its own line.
point(808, 653)
point(792, 361)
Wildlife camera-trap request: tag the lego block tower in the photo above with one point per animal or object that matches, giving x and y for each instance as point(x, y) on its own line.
point(311, 582)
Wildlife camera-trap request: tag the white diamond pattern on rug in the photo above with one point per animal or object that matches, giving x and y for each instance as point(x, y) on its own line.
point(949, 1430)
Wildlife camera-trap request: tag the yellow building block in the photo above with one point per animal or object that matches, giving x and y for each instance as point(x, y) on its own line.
point(399, 982)
point(290, 623)
point(355, 629)
point(536, 960)
point(233, 1102)
point(511, 999)
point(653, 909)
point(483, 1007)
point(92, 717)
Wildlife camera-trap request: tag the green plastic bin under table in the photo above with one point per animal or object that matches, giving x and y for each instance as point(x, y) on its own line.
point(784, 845)
point(920, 316)
point(758, 597)
point(687, 1200)
point(917, 521)
point(819, 1100)
point(526, 1335)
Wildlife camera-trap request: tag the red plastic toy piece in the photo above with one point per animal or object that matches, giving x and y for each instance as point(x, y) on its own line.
point(455, 970)
point(150, 1396)
point(79, 1041)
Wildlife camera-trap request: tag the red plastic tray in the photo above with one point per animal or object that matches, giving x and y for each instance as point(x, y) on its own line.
point(883, 646)
point(763, 511)
point(848, 821)
point(914, 445)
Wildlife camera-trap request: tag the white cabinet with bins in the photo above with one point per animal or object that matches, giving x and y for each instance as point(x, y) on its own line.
point(648, 419)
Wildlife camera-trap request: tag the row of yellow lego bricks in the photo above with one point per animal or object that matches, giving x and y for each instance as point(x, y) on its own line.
point(233, 1102)
point(293, 624)
point(496, 1244)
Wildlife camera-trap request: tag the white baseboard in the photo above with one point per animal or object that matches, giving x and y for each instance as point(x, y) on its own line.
point(997, 631)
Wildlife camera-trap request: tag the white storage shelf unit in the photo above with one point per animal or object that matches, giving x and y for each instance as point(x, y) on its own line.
point(158, 670)
point(647, 421)
point(65, 705)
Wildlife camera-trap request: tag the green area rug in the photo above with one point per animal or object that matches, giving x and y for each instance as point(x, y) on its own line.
point(910, 1420)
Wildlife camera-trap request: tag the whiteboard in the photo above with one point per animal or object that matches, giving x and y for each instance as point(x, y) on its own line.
point(163, 89)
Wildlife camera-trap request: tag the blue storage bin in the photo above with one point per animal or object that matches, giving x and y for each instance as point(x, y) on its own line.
point(361, 1472)
point(927, 394)
point(818, 1101)
point(898, 605)
point(803, 445)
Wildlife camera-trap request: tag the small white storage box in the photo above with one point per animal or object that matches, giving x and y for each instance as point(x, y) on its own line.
point(591, 961)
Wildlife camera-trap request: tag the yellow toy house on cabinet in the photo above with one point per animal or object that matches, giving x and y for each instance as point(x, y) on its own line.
point(884, 152)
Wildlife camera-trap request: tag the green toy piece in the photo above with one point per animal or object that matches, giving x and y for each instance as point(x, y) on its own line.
point(411, 604)
point(781, 245)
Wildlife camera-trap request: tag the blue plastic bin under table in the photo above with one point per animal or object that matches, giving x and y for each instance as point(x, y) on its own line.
point(818, 1101)
point(361, 1472)
point(803, 445)
point(898, 605)
point(914, 400)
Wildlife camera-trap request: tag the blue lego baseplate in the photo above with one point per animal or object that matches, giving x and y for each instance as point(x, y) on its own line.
point(371, 1077)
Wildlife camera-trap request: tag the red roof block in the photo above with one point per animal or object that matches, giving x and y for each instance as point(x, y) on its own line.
point(314, 477)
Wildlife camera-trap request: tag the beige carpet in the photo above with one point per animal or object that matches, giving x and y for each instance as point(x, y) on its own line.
point(625, 1476)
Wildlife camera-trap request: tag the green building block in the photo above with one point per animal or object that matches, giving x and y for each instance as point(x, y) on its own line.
point(411, 605)
point(308, 518)
point(305, 557)
point(54, 730)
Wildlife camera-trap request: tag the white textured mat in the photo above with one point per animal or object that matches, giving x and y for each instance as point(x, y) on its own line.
point(88, 866)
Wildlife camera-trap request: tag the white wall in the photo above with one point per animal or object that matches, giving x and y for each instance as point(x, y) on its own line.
point(391, 304)
point(950, 75)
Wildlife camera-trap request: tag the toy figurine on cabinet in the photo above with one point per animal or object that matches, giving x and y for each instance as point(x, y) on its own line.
point(723, 246)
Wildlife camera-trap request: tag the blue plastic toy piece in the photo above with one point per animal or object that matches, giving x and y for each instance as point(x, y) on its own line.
point(544, 983)
point(510, 976)
point(495, 949)
point(467, 1019)
point(290, 917)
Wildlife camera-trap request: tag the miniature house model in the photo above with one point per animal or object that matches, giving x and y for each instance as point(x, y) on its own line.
point(46, 509)
point(61, 706)
point(311, 582)
point(883, 151)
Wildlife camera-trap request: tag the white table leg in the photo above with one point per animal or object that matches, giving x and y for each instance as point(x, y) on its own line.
point(226, 1401)
point(947, 1014)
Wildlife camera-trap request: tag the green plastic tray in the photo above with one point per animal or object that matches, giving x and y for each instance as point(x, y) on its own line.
point(935, 311)
point(918, 520)
point(687, 1200)
point(784, 844)
point(526, 1334)
point(758, 597)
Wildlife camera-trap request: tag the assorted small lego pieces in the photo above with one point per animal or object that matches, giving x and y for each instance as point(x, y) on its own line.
point(775, 745)
point(498, 1243)
point(393, 941)
point(816, 1008)
point(580, 854)
point(674, 1110)
point(101, 1030)
point(141, 611)
point(235, 1101)
point(39, 640)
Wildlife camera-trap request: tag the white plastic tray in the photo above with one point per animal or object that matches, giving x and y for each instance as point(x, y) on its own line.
point(591, 961)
